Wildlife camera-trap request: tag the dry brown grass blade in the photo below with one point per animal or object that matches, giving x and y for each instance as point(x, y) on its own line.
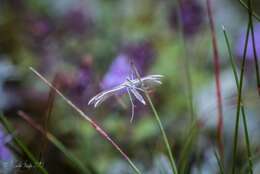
point(92, 122)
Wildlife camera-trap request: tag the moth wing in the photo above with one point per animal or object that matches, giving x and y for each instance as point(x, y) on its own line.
point(149, 81)
point(102, 96)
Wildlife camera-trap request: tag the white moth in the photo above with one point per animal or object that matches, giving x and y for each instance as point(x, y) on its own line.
point(132, 86)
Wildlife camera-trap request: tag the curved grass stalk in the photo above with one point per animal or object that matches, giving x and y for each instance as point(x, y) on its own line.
point(220, 165)
point(189, 141)
point(55, 141)
point(251, 23)
point(217, 79)
point(187, 66)
point(251, 13)
point(249, 154)
point(92, 122)
point(257, 17)
point(22, 146)
point(165, 139)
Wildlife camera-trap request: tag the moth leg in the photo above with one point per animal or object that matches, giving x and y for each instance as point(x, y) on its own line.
point(137, 95)
point(132, 105)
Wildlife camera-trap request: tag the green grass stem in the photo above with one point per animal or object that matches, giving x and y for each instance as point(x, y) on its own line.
point(165, 139)
point(22, 146)
point(249, 154)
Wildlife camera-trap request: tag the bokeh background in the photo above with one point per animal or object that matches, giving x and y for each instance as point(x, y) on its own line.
point(84, 47)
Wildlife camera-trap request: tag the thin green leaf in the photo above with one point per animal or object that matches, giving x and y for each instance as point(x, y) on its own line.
point(242, 107)
point(193, 132)
point(22, 146)
point(257, 17)
point(77, 163)
point(220, 165)
point(165, 139)
point(240, 100)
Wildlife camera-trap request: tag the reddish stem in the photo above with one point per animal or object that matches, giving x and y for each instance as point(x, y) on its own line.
point(89, 119)
point(217, 78)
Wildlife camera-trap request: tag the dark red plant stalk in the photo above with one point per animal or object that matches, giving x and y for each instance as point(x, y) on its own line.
point(27, 118)
point(47, 115)
point(217, 77)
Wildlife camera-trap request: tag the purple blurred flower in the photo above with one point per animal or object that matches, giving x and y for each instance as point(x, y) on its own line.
point(117, 73)
point(84, 76)
point(240, 44)
point(191, 15)
point(83, 85)
point(39, 28)
point(141, 54)
point(7, 160)
point(5, 153)
point(77, 21)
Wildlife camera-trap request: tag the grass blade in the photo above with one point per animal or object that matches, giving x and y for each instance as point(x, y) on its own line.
point(92, 122)
point(186, 62)
point(239, 104)
point(55, 141)
point(47, 115)
point(22, 146)
point(165, 139)
point(257, 17)
point(249, 154)
point(220, 165)
point(251, 23)
point(217, 78)
point(189, 141)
